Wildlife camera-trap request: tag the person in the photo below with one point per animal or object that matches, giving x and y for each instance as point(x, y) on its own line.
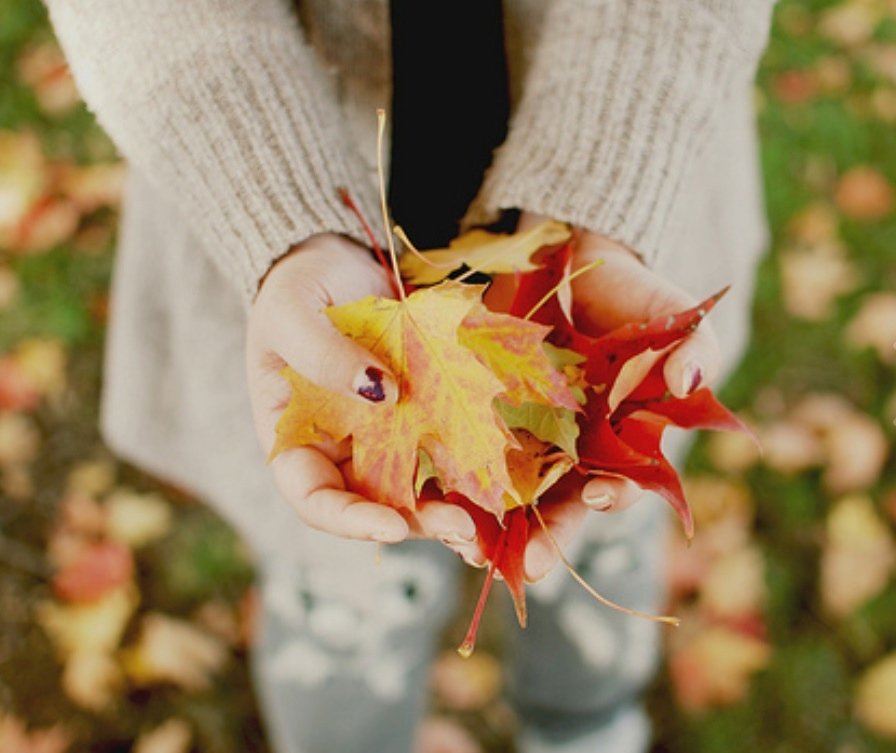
point(629, 119)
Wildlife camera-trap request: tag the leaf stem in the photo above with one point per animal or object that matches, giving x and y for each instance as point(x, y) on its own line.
point(387, 225)
point(368, 231)
point(403, 237)
point(566, 280)
point(589, 589)
point(466, 648)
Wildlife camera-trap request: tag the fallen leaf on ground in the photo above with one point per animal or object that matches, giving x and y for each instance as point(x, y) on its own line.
point(136, 519)
point(17, 391)
point(15, 737)
point(790, 447)
point(19, 439)
point(92, 679)
point(97, 626)
point(795, 86)
point(91, 477)
point(813, 279)
point(874, 326)
point(833, 74)
point(466, 684)
point(814, 225)
point(864, 194)
point(714, 667)
point(23, 179)
point(875, 697)
point(851, 23)
point(80, 514)
point(99, 569)
point(221, 619)
point(734, 585)
point(44, 69)
point(44, 362)
point(93, 186)
point(175, 651)
point(172, 736)
point(443, 735)
point(858, 558)
point(856, 450)
point(10, 287)
point(732, 452)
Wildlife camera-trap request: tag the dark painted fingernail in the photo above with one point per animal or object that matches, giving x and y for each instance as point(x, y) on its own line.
point(372, 388)
point(692, 378)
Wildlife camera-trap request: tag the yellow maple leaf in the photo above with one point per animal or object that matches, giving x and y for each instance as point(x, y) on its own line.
point(492, 253)
point(444, 405)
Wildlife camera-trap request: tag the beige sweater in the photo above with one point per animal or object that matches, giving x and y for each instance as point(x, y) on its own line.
point(240, 119)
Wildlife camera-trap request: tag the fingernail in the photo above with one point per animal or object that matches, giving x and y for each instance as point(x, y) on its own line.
point(600, 502)
point(453, 538)
point(471, 554)
point(371, 386)
point(538, 561)
point(691, 379)
point(386, 537)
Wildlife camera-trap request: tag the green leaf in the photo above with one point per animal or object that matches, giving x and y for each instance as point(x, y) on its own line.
point(550, 424)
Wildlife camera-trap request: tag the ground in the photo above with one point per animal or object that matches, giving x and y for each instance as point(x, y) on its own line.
point(787, 595)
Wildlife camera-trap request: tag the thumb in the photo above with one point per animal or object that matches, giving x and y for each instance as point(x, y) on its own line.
point(312, 346)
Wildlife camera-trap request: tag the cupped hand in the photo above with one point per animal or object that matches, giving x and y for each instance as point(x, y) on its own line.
point(287, 326)
point(620, 290)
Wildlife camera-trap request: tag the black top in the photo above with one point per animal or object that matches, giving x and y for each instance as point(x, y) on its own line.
point(449, 111)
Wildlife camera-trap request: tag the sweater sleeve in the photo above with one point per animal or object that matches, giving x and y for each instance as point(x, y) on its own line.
point(223, 106)
point(618, 100)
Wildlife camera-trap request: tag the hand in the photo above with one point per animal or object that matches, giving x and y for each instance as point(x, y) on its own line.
point(287, 326)
point(620, 290)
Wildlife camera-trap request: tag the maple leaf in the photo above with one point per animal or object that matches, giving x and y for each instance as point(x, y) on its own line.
point(486, 252)
point(444, 404)
point(176, 651)
point(534, 468)
point(512, 349)
point(99, 569)
point(15, 737)
point(556, 426)
point(622, 429)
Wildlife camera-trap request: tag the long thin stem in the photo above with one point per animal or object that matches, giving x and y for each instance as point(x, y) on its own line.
point(403, 237)
point(594, 594)
point(466, 648)
point(387, 225)
point(368, 231)
point(565, 281)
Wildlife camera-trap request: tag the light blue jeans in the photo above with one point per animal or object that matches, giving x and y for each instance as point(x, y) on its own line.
point(341, 663)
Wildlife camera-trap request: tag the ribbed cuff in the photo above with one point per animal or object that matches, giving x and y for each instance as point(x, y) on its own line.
point(227, 112)
point(619, 99)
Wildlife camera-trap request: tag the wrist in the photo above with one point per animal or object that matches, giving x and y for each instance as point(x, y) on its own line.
point(328, 242)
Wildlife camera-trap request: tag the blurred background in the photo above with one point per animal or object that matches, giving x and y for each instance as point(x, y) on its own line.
point(126, 607)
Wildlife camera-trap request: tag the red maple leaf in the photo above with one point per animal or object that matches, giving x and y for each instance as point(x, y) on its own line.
point(621, 437)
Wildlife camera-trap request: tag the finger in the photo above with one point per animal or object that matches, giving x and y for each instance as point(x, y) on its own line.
point(449, 523)
point(314, 487)
point(563, 519)
point(309, 343)
point(694, 363)
point(632, 292)
point(610, 494)
point(470, 552)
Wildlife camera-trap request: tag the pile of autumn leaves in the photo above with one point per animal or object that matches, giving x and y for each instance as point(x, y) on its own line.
point(502, 411)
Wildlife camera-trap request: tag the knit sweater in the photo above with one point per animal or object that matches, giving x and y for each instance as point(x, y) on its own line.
point(241, 118)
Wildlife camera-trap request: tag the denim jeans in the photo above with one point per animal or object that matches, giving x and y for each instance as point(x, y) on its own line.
point(346, 640)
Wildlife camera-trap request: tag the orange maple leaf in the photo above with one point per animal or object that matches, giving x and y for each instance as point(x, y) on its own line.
point(512, 348)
